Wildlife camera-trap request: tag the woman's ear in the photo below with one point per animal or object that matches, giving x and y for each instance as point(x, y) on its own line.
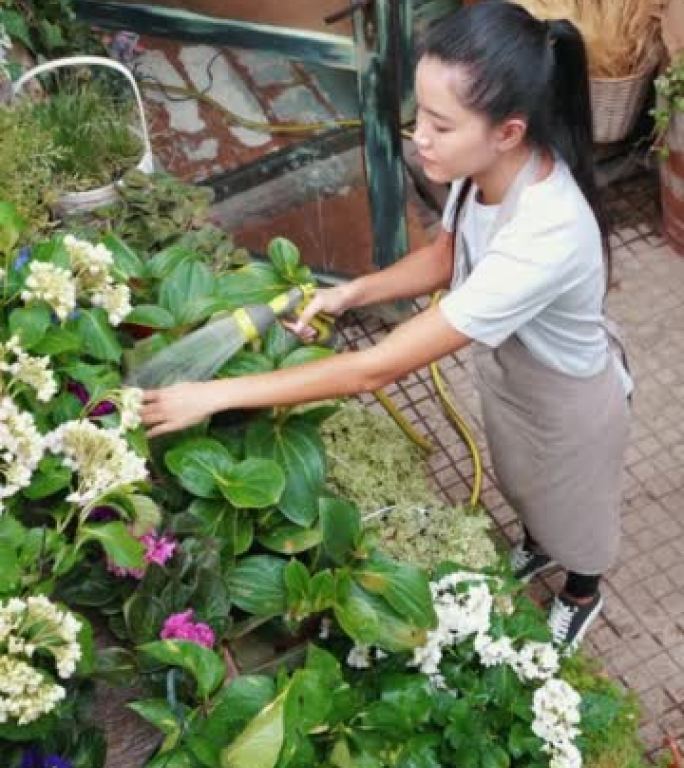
point(511, 133)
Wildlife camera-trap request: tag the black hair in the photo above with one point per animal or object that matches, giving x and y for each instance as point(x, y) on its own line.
point(519, 65)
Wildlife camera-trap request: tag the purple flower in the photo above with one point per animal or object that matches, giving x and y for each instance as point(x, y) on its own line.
point(33, 758)
point(103, 515)
point(23, 257)
point(101, 409)
point(158, 549)
point(180, 626)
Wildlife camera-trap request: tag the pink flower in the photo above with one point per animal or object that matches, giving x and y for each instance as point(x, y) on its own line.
point(158, 549)
point(180, 626)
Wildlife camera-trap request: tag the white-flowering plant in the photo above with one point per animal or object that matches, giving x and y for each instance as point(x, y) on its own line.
point(34, 631)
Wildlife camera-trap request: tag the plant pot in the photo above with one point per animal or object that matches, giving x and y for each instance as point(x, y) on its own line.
point(672, 185)
point(73, 202)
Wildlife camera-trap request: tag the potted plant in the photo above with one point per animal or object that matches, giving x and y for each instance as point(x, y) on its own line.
point(624, 47)
point(669, 132)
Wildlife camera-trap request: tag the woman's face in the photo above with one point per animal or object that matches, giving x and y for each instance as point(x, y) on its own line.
point(453, 141)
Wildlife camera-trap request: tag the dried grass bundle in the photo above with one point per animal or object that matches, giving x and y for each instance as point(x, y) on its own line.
point(622, 36)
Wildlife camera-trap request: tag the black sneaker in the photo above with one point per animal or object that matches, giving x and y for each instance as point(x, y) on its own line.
point(569, 621)
point(526, 563)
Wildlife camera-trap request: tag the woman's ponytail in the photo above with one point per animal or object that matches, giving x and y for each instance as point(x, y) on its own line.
point(572, 125)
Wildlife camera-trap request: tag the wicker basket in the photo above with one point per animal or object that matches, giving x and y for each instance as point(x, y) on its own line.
point(616, 103)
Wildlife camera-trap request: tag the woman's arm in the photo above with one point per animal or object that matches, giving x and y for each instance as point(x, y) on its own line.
point(412, 345)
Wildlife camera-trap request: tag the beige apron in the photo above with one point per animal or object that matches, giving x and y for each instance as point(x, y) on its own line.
point(557, 442)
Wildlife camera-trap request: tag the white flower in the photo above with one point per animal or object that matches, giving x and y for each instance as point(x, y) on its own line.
point(359, 657)
point(35, 372)
point(494, 652)
point(101, 457)
point(115, 300)
point(89, 263)
point(131, 403)
point(556, 710)
point(22, 448)
point(52, 284)
point(25, 693)
point(537, 661)
point(324, 631)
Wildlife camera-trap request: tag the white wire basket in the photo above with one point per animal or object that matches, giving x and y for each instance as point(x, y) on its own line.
point(71, 202)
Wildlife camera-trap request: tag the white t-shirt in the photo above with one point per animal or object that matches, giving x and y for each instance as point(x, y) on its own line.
point(541, 276)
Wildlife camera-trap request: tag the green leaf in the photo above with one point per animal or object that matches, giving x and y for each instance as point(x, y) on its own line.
point(297, 583)
point(235, 705)
point(341, 527)
point(296, 445)
point(284, 256)
point(259, 745)
point(56, 341)
point(244, 363)
point(410, 693)
point(218, 519)
point(253, 484)
point(356, 615)
point(10, 573)
point(151, 315)
point(405, 587)
point(199, 463)
point(202, 663)
point(158, 712)
point(290, 539)
point(16, 27)
point(279, 342)
point(50, 477)
point(163, 263)
point(178, 758)
point(11, 227)
point(189, 282)
point(12, 531)
point(322, 591)
point(305, 355)
point(252, 284)
point(126, 261)
point(147, 515)
point(98, 337)
point(307, 704)
point(495, 757)
point(257, 585)
point(116, 666)
point(29, 324)
point(121, 547)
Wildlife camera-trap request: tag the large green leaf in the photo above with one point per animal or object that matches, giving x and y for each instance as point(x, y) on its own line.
point(289, 539)
point(355, 614)
point(126, 261)
point(99, 339)
point(56, 341)
point(151, 316)
point(257, 585)
point(203, 664)
point(116, 666)
point(394, 632)
point(259, 745)
point(163, 263)
point(341, 527)
point(146, 512)
point(199, 463)
point(121, 547)
point(405, 587)
point(29, 324)
point(245, 362)
point(235, 705)
point(10, 573)
point(284, 256)
point(253, 484)
point(253, 284)
point(11, 227)
point(296, 445)
point(189, 282)
point(158, 712)
point(217, 518)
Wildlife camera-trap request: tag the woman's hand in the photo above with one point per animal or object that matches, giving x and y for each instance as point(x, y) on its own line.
point(331, 301)
point(175, 407)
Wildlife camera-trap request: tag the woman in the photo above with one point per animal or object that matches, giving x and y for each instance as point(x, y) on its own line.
point(503, 113)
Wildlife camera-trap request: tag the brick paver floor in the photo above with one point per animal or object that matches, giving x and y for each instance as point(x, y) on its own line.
point(640, 634)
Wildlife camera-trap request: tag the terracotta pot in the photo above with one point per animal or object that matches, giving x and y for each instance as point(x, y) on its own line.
point(672, 185)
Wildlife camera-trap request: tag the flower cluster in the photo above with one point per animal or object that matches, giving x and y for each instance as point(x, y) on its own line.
point(51, 284)
point(180, 626)
point(30, 370)
point(131, 404)
point(22, 448)
point(556, 717)
point(92, 269)
point(101, 457)
point(26, 626)
point(90, 276)
point(464, 603)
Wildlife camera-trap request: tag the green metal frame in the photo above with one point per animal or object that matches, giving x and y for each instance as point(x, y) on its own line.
point(380, 53)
